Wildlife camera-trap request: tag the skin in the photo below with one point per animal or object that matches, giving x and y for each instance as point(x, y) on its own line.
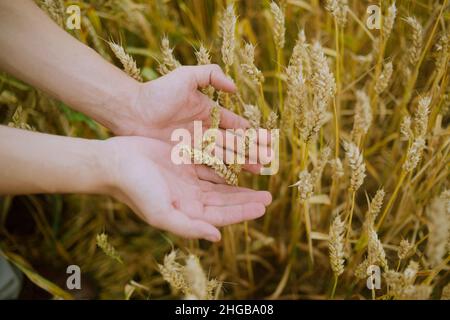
point(187, 200)
point(182, 199)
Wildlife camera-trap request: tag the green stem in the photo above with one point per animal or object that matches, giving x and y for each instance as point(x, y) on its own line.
point(392, 199)
point(280, 84)
point(308, 230)
point(350, 216)
point(333, 290)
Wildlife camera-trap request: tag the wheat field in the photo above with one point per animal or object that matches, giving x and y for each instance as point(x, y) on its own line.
point(363, 184)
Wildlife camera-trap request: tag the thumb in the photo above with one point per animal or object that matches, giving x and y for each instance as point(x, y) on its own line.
point(211, 74)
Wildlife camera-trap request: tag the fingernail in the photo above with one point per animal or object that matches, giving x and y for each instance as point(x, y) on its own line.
point(212, 237)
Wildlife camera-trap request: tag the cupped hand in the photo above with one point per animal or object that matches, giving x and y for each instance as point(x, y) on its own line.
point(182, 199)
point(174, 101)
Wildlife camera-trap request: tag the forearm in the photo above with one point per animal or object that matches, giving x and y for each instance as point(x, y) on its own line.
point(33, 162)
point(34, 49)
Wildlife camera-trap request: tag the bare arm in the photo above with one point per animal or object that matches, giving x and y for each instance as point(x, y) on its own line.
point(34, 49)
point(137, 171)
point(33, 162)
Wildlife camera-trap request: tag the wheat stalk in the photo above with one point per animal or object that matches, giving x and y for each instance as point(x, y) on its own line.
point(338, 9)
point(384, 78)
point(415, 49)
point(253, 114)
point(279, 29)
point(168, 63)
point(388, 21)
point(128, 63)
point(438, 215)
point(107, 248)
point(248, 65)
point(55, 9)
point(356, 164)
point(228, 26)
point(406, 249)
point(219, 167)
point(363, 114)
point(203, 58)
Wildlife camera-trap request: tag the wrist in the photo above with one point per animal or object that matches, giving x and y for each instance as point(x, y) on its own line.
point(126, 116)
point(101, 168)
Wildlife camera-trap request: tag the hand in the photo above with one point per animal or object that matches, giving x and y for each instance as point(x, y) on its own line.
point(174, 101)
point(178, 198)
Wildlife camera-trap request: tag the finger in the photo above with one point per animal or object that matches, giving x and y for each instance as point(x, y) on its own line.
point(253, 168)
point(180, 224)
point(230, 120)
point(215, 198)
point(208, 174)
point(208, 186)
point(211, 74)
point(222, 216)
point(250, 163)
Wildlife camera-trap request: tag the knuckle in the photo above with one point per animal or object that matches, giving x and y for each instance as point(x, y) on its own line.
point(216, 68)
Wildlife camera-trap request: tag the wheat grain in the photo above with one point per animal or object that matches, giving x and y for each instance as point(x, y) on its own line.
point(405, 127)
point(388, 21)
point(376, 254)
point(415, 49)
point(446, 292)
point(219, 167)
point(129, 65)
point(107, 248)
point(361, 270)
point(363, 114)
point(214, 118)
point(248, 65)
point(203, 58)
point(375, 207)
point(279, 26)
point(338, 8)
point(55, 9)
point(336, 245)
point(172, 272)
point(228, 26)
point(356, 163)
point(384, 78)
point(195, 278)
point(438, 216)
point(189, 279)
point(272, 121)
point(304, 185)
point(168, 63)
point(414, 154)
point(405, 249)
point(338, 168)
point(253, 114)
point(442, 47)
point(421, 117)
point(323, 81)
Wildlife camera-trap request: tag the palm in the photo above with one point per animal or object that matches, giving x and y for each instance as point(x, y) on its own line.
point(179, 198)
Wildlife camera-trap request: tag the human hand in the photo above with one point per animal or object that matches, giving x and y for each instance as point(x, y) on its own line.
point(182, 199)
point(174, 101)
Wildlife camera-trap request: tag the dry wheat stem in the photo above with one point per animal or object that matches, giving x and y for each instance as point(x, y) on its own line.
point(129, 65)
